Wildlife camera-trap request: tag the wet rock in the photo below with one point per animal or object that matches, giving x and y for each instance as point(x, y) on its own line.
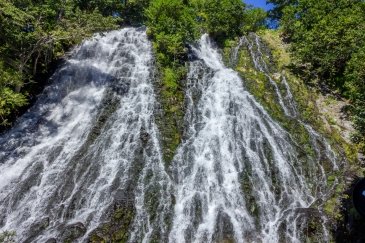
point(224, 231)
point(120, 87)
point(123, 198)
point(144, 136)
point(37, 228)
point(51, 240)
point(350, 226)
point(73, 232)
point(117, 229)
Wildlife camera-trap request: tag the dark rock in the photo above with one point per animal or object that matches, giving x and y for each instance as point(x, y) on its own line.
point(144, 136)
point(117, 229)
point(37, 228)
point(350, 227)
point(51, 240)
point(73, 232)
point(224, 231)
point(120, 87)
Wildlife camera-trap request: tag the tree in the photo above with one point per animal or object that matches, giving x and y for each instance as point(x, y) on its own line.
point(171, 24)
point(223, 18)
point(327, 38)
point(254, 19)
point(33, 34)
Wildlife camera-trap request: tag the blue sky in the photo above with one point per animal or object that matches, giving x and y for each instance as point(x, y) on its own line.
point(258, 3)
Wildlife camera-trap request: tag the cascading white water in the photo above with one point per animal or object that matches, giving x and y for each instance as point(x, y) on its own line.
point(322, 148)
point(237, 175)
point(89, 143)
point(260, 65)
point(90, 147)
point(253, 43)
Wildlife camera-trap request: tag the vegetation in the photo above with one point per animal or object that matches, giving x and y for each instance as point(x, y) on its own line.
point(221, 19)
point(255, 20)
point(7, 237)
point(328, 41)
point(34, 34)
point(174, 24)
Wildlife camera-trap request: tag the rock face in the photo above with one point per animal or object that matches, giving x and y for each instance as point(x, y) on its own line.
point(311, 105)
point(334, 114)
point(117, 229)
point(73, 232)
point(37, 228)
point(51, 240)
point(350, 227)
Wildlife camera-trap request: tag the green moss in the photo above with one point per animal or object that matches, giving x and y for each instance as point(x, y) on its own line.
point(117, 230)
point(331, 208)
point(227, 49)
point(171, 97)
point(151, 199)
point(257, 83)
point(170, 81)
point(306, 100)
point(7, 236)
point(278, 48)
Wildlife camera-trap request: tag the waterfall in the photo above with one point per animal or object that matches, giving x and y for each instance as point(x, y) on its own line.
point(90, 144)
point(287, 103)
point(238, 177)
point(85, 162)
point(261, 66)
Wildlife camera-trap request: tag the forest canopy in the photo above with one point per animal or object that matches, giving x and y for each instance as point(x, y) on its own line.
point(35, 34)
point(327, 39)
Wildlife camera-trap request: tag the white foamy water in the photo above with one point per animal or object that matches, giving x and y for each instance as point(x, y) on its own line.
point(69, 159)
point(90, 147)
point(238, 175)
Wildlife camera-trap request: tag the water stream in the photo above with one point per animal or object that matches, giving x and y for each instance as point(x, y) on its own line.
point(238, 174)
point(88, 144)
point(90, 147)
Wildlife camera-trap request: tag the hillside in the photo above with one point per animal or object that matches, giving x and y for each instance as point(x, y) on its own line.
point(180, 121)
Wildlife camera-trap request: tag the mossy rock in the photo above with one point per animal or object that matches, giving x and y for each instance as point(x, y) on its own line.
point(118, 229)
point(171, 116)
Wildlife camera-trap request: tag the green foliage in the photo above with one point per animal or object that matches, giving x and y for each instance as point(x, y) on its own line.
point(279, 5)
point(355, 86)
point(171, 25)
point(9, 101)
point(170, 79)
point(328, 41)
point(34, 34)
point(106, 7)
point(174, 23)
point(133, 11)
point(254, 20)
point(325, 34)
point(223, 18)
point(7, 237)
